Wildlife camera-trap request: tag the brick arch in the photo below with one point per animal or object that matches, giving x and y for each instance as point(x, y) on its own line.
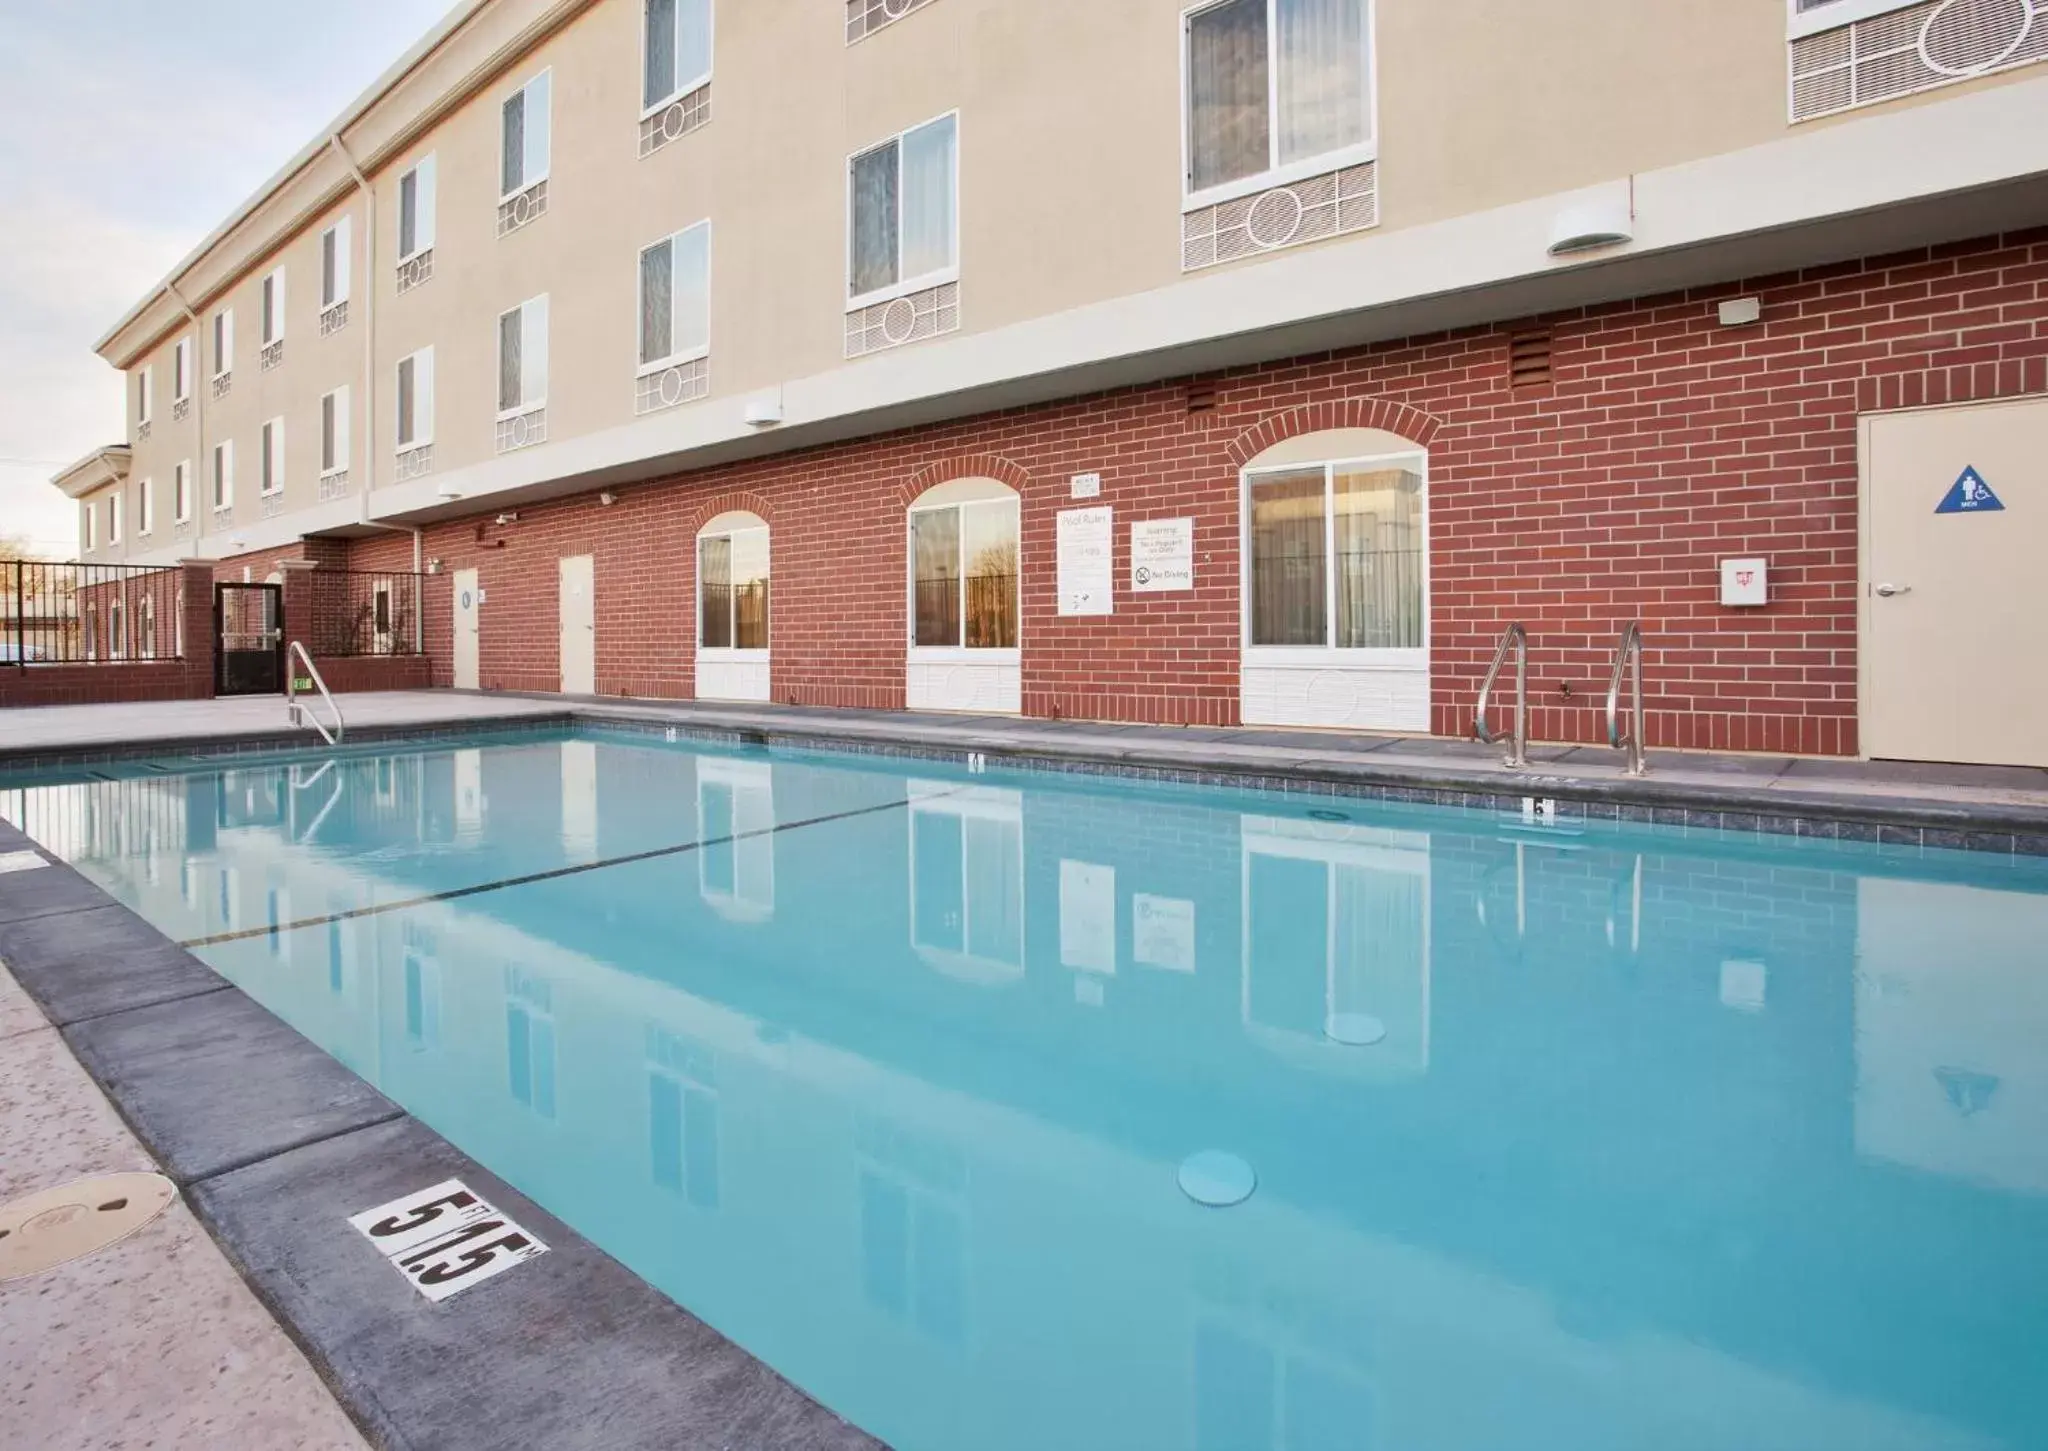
point(718, 504)
point(963, 466)
point(1383, 413)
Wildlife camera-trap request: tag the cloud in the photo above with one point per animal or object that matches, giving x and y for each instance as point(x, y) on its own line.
point(135, 128)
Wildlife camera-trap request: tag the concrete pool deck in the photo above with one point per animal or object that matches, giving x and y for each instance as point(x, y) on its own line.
point(2001, 809)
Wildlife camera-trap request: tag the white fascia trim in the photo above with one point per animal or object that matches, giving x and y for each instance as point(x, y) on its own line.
point(1972, 140)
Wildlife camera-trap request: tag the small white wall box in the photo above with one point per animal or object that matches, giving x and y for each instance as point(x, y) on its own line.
point(1745, 583)
point(1742, 311)
point(764, 411)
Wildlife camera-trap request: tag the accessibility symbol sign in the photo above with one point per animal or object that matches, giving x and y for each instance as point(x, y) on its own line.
point(1969, 495)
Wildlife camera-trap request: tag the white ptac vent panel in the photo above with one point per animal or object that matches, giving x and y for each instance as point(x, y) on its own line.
point(1918, 48)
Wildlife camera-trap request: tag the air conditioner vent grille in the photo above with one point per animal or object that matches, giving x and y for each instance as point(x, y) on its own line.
point(1920, 48)
point(1284, 216)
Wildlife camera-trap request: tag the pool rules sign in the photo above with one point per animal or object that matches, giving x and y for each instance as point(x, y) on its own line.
point(1162, 555)
point(445, 1238)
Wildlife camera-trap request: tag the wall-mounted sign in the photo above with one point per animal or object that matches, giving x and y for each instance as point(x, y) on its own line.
point(1086, 576)
point(1969, 495)
point(1162, 555)
point(1163, 932)
point(1087, 486)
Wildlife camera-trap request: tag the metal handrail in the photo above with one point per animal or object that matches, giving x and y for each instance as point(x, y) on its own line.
point(299, 714)
point(1515, 638)
point(1628, 655)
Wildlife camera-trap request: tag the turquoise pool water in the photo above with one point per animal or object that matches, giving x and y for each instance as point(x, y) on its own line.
point(1643, 1140)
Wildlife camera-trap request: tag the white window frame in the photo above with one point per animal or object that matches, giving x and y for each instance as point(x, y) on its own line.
point(421, 436)
point(91, 530)
point(344, 276)
point(686, 355)
point(1408, 657)
point(181, 368)
point(117, 630)
point(181, 492)
point(526, 405)
point(223, 342)
point(732, 653)
point(342, 441)
point(683, 87)
point(145, 513)
point(113, 518)
point(962, 653)
point(425, 182)
point(272, 288)
point(271, 443)
point(1275, 174)
point(223, 482)
point(903, 287)
point(146, 406)
point(527, 182)
point(1837, 15)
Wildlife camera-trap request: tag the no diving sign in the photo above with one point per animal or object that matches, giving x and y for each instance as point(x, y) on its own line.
point(445, 1238)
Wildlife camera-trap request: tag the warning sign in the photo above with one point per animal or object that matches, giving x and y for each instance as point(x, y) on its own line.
point(1969, 495)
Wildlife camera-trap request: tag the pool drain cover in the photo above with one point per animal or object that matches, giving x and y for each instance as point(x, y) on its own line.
point(55, 1226)
point(1217, 1179)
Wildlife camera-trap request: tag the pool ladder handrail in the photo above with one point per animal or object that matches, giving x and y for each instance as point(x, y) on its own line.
point(301, 715)
point(1628, 657)
point(1515, 638)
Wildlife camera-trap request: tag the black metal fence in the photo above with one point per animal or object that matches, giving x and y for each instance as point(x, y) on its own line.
point(89, 614)
point(363, 612)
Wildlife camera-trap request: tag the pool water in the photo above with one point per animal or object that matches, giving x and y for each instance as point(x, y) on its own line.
point(1581, 1139)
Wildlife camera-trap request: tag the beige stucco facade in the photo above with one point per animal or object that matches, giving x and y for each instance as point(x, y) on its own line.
point(1070, 217)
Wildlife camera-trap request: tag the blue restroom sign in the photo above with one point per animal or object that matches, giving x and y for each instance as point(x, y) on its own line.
point(1969, 495)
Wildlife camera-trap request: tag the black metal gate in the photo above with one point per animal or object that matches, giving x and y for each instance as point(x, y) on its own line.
point(248, 635)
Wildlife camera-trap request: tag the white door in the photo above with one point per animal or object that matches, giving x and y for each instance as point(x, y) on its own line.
point(579, 626)
point(468, 603)
point(1956, 528)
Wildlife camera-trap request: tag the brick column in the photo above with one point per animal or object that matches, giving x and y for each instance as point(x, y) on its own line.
point(299, 601)
point(195, 616)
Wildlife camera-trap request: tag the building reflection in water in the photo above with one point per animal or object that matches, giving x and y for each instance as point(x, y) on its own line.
point(1644, 1116)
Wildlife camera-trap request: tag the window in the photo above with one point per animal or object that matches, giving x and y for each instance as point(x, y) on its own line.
point(675, 298)
point(114, 517)
point(224, 474)
point(273, 307)
point(145, 506)
point(148, 629)
point(181, 492)
point(416, 210)
point(416, 400)
point(181, 371)
point(732, 584)
point(1809, 17)
point(523, 357)
point(903, 200)
point(223, 341)
point(145, 381)
point(334, 433)
point(89, 526)
point(1276, 90)
point(334, 262)
point(525, 137)
point(678, 50)
point(117, 635)
point(1336, 555)
point(963, 560)
point(273, 457)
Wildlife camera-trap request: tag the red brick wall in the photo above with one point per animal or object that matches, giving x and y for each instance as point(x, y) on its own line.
point(1664, 443)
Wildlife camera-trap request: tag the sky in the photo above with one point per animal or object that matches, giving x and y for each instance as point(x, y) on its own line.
point(129, 130)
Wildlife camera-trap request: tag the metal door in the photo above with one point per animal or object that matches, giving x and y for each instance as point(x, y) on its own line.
point(468, 601)
point(248, 635)
point(1956, 527)
point(579, 626)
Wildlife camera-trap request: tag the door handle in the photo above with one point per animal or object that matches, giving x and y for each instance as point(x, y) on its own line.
point(1886, 591)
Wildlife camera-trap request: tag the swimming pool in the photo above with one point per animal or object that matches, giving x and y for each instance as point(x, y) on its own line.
point(1641, 1138)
